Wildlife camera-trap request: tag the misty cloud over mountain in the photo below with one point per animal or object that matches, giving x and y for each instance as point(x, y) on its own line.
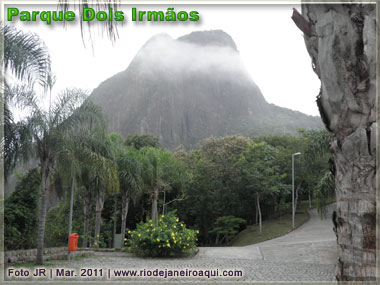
point(177, 56)
point(184, 90)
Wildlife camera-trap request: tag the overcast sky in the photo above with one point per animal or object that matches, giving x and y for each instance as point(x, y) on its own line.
point(271, 46)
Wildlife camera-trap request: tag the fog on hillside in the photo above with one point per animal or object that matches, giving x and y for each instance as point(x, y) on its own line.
point(176, 56)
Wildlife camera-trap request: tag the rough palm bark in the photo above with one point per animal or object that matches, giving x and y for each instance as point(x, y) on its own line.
point(154, 204)
point(114, 219)
point(45, 186)
point(86, 217)
point(124, 212)
point(99, 209)
point(342, 45)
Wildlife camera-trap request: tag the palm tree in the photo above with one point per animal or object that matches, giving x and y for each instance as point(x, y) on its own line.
point(160, 171)
point(47, 136)
point(27, 59)
point(83, 162)
point(129, 169)
point(25, 55)
point(152, 174)
point(85, 178)
point(99, 174)
point(341, 41)
point(98, 178)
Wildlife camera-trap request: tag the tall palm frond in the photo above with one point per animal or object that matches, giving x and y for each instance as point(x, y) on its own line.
point(16, 139)
point(27, 58)
point(10, 142)
point(129, 168)
point(104, 170)
point(152, 170)
point(110, 27)
point(25, 55)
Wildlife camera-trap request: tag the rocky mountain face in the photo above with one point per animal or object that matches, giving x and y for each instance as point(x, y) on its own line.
point(187, 89)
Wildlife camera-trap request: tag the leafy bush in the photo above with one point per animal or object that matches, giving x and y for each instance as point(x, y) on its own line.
point(57, 222)
point(101, 242)
point(164, 238)
point(226, 228)
point(139, 141)
point(21, 213)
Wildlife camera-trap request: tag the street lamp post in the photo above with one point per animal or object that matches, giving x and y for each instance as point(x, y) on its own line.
point(293, 208)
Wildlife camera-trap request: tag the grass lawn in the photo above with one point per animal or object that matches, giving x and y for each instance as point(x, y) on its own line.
point(271, 228)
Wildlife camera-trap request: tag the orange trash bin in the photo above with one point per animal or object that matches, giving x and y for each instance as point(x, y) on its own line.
point(73, 242)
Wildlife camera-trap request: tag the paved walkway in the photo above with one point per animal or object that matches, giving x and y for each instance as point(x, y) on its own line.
point(313, 242)
point(308, 253)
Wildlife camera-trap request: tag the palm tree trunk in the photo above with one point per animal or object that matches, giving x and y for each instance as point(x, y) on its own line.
point(99, 209)
point(114, 219)
point(342, 44)
point(163, 203)
point(45, 185)
point(124, 212)
point(259, 210)
point(86, 218)
point(85, 226)
point(90, 225)
point(154, 204)
point(257, 214)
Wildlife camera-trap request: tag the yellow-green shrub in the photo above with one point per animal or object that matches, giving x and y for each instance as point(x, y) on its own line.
point(162, 238)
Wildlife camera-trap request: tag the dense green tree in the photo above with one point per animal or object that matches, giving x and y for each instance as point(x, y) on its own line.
point(21, 213)
point(260, 173)
point(310, 166)
point(57, 219)
point(317, 154)
point(200, 207)
point(222, 154)
point(213, 185)
point(324, 190)
point(226, 227)
point(139, 141)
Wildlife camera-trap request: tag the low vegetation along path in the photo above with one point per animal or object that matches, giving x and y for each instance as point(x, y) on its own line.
point(314, 243)
point(308, 253)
